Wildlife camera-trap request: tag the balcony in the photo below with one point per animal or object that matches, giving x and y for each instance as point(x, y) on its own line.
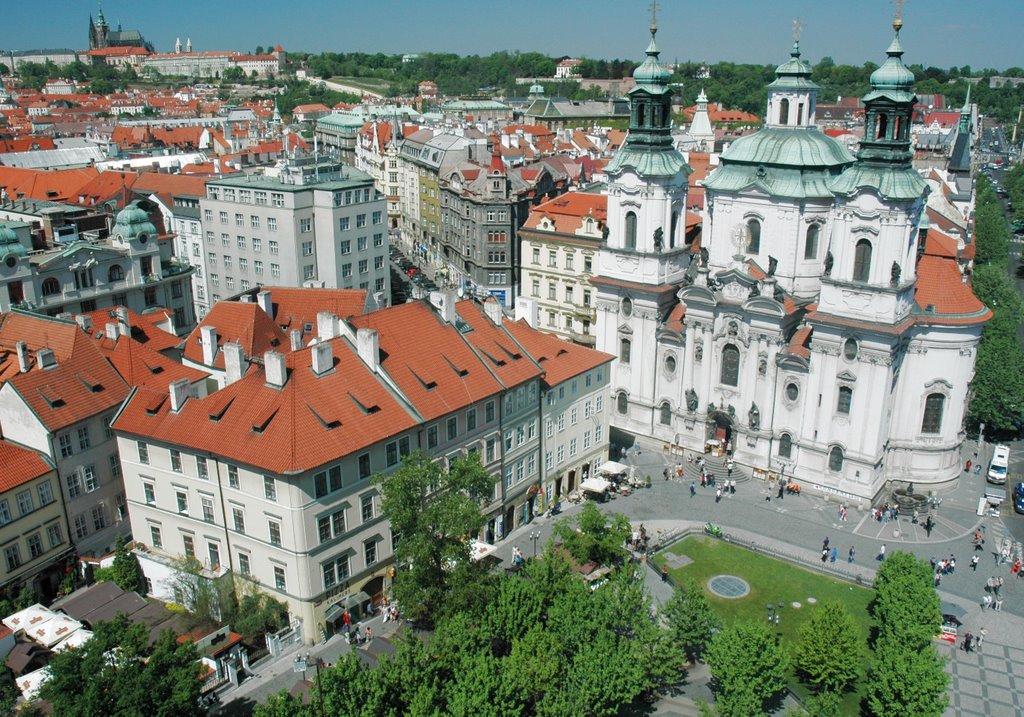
point(585, 313)
point(588, 339)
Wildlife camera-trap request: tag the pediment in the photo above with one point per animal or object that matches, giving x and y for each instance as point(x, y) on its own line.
point(698, 295)
point(845, 376)
point(765, 305)
point(625, 329)
point(82, 254)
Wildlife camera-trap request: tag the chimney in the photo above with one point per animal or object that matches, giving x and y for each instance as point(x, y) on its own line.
point(326, 325)
point(527, 309)
point(368, 345)
point(233, 358)
point(180, 390)
point(274, 368)
point(493, 310)
point(46, 359)
point(295, 336)
point(112, 331)
point(22, 348)
point(84, 322)
point(208, 338)
point(323, 358)
point(444, 302)
point(122, 318)
point(264, 300)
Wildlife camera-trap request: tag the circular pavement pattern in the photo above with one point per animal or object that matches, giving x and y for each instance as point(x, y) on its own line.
point(728, 586)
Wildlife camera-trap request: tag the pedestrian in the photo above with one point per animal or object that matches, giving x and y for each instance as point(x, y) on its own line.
point(824, 555)
point(782, 489)
point(979, 638)
point(825, 543)
point(967, 467)
point(693, 489)
point(986, 602)
point(718, 494)
point(881, 553)
point(998, 605)
point(369, 635)
point(974, 563)
point(913, 520)
point(346, 619)
point(968, 641)
point(852, 555)
point(835, 553)
point(664, 573)
point(928, 525)
point(665, 473)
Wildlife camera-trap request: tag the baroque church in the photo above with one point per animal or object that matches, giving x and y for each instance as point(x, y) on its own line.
point(814, 331)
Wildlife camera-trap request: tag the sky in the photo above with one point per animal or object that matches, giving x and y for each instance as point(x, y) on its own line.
point(944, 33)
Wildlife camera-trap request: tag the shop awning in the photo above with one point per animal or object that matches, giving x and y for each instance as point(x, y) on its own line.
point(595, 485)
point(612, 468)
point(347, 602)
point(479, 550)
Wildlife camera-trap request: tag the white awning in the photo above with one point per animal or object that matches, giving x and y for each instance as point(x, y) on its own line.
point(29, 617)
point(479, 550)
point(76, 639)
point(29, 684)
point(50, 632)
point(612, 468)
point(595, 485)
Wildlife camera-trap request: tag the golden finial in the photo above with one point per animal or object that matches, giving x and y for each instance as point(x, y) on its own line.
point(654, 16)
point(897, 21)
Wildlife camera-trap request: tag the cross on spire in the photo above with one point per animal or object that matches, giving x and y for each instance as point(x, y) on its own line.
point(654, 16)
point(798, 28)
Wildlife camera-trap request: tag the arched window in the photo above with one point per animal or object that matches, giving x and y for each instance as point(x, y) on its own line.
point(640, 115)
point(631, 230)
point(800, 113)
point(845, 400)
point(811, 242)
point(862, 261)
point(836, 459)
point(883, 126)
point(621, 402)
point(785, 446)
point(753, 236)
point(933, 406)
point(666, 414)
point(116, 273)
point(730, 365)
point(672, 234)
point(897, 128)
point(784, 112)
point(625, 349)
point(51, 286)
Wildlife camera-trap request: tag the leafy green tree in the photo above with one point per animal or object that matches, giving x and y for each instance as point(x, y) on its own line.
point(906, 606)
point(749, 668)
point(829, 649)
point(691, 620)
point(257, 613)
point(127, 573)
point(594, 536)
point(434, 513)
point(115, 673)
point(906, 681)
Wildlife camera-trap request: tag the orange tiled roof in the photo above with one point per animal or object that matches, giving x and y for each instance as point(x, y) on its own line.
point(140, 365)
point(568, 211)
point(939, 244)
point(499, 352)
point(82, 384)
point(294, 308)
point(940, 285)
point(560, 360)
point(20, 466)
point(800, 342)
point(143, 328)
point(60, 185)
point(245, 323)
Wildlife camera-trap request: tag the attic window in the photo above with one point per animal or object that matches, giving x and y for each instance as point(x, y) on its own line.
point(51, 397)
point(262, 420)
point(217, 412)
point(495, 361)
point(514, 355)
point(155, 370)
point(91, 383)
point(307, 328)
point(428, 385)
point(329, 425)
point(154, 405)
point(367, 410)
point(462, 372)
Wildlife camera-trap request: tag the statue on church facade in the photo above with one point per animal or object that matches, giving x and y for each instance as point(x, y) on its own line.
point(828, 264)
point(698, 351)
point(659, 235)
point(773, 264)
point(894, 274)
point(704, 256)
point(691, 400)
point(754, 417)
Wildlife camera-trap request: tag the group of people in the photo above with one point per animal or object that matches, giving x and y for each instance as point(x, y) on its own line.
point(886, 513)
point(830, 553)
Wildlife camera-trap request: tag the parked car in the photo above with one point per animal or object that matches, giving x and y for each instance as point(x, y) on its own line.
point(1018, 497)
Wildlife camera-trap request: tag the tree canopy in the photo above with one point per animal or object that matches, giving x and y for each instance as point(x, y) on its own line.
point(749, 668)
point(593, 536)
point(829, 650)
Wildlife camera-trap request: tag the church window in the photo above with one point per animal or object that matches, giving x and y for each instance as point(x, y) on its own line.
point(753, 236)
point(665, 414)
point(627, 307)
point(50, 287)
point(116, 273)
point(625, 348)
point(933, 406)
point(792, 391)
point(897, 128)
point(730, 365)
point(670, 364)
point(621, 402)
point(784, 111)
point(845, 400)
point(800, 113)
point(883, 126)
point(631, 230)
point(640, 114)
point(836, 459)
point(850, 349)
point(811, 242)
point(786, 445)
point(862, 261)
point(672, 234)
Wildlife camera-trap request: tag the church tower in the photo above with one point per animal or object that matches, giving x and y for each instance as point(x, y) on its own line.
point(644, 254)
point(700, 127)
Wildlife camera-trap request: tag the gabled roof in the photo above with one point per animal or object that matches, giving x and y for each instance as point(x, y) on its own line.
point(560, 360)
point(295, 308)
point(82, 384)
point(499, 352)
point(61, 185)
point(20, 465)
point(144, 328)
point(244, 323)
point(140, 365)
point(568, 211)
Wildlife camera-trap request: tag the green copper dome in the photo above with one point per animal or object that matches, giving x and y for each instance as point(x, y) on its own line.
point(9, 243)
point(132, 222)
point(652, 72)
point(893, 74)
point(802, 147)
point(794, 73)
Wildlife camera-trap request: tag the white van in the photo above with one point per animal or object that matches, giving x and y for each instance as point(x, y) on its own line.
point(1000, 462)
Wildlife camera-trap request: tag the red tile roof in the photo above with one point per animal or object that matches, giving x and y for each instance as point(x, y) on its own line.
point(800, 342)
point(939, 244)
point(60, 185)
point(82, 384)
point(944, 297)
point(499, 352)
point(247, 324)
point(20, 466)
point(294, 308)
point(568, 211)
point(144, 328)
point(560, 360)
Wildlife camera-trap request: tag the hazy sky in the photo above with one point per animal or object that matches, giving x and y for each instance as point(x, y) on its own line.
point(980, 33)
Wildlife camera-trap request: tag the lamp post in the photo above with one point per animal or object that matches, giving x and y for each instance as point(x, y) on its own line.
point(535, 536)
point(771, 613)
point(315, 661)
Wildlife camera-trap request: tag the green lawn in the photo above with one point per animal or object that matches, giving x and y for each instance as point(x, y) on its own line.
point(771, 581)
point(373, 84)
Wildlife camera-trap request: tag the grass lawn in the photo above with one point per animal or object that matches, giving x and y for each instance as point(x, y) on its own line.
point(771, 581)
point(373, 84)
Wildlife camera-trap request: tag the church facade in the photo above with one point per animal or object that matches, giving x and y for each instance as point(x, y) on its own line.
point(102, 37)
point(813, 331)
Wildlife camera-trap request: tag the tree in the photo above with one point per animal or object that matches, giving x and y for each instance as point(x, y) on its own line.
point(208, 600)
point(115, 673)
point(748, 667)
point(434, 513)
point(906, 606)
point(691, 620)
point(127, 573)
point(906, 681)
point(594, 536)
point(828, 652)
point(257, 612)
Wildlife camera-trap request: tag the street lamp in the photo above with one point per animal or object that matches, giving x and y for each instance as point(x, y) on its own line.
point(315, 661)
point(535, 536)
point(771, 613)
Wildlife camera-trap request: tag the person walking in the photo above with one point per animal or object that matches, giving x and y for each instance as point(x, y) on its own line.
point(824, 555)
point(974, 563)
point(835, 554)
point(852, 555)
point(693, 489)
point(979, 638)
point(968, 641)
point(782, 490)
point(881, 553)
point(718, 494)
point(824, 543)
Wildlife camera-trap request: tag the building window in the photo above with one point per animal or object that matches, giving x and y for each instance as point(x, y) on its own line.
point(730, 365)
point(862, 261)
point(933, 406)
point(753, 237)
point(116, 273)
point(176, 460)
point(150, 493)
point(621, 403)
point(452, 428)
point(45, 493)
point(54, 535)
point(850, 349)
point(89, 478)
point(489, 412)
point(35, 546)
point(845, 400)
point(83, 438)
point(81, 527)
point(244, 566)
point(25, 503)
point(366, 507)
point(665, 417)
point(207, 504)
point(13, 555)
point(785, 446)
point(631, 230)
point(307, 248)
point(238, 519)
point(182, 498)
point(279, 579)
point(269, 488)
point(99, 517)
point(811, 242)
point(274, 530)
point(202, 469)
point(5, 513)
point(65, 445)
point(836, 459)
point(370, 552)
point(233, 476)
point(625, 349)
